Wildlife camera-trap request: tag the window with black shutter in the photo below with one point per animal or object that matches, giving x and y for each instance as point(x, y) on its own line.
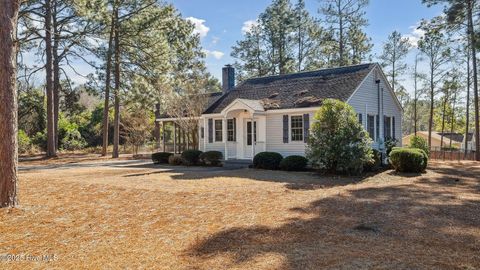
point(218, 131)
point(387, 127)
point(371, 126)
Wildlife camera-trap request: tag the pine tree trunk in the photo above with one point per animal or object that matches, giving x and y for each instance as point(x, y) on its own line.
point(51, 150)
point(116, 120)
point(430, 120)
point(8, 103)
point(56, 73)
point(108, 72)
point(415, 101)
point(475, 79)
point(443, 119)
point(454, 101)
point(467, 114)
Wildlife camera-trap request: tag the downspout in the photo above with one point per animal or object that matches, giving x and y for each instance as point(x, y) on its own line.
point(379, 117)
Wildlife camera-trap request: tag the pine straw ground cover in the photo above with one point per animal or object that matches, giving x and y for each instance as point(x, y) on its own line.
point(143, 217)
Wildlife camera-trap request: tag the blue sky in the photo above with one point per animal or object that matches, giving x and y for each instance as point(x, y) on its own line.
point(220, 22)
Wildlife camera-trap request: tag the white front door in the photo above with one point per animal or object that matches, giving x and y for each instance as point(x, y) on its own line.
point(250, 139)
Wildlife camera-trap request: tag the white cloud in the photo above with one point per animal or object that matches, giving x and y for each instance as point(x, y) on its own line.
point(215, 54)
point(200, 27)
point(215, 40)
point(248, 25)
point(415, 35)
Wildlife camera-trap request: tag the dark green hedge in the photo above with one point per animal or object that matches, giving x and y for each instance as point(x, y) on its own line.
point(161, 157)
point(408, 159)
point(294, 163)
point(267, 160)
point(175, 160)
point(191, 157)
point(212, 158)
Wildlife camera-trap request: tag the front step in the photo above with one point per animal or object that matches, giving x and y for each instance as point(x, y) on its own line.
point(237, 163)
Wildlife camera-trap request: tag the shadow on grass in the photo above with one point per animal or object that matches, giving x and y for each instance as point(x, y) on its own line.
point(310, 180)
point(400, 226)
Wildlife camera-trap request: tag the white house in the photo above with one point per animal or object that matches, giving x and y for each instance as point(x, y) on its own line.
point(274, 113)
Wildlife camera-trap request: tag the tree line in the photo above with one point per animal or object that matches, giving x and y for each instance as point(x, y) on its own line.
point(143, 53)
point(287, 38)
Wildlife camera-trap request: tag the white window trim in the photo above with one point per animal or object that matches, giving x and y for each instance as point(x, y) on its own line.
point(290, 129)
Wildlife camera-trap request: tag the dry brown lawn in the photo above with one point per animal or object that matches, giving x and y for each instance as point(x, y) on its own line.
point(146, 217)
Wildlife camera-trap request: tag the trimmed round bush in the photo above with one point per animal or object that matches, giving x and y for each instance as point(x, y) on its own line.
point(294, 163)
point(175, 160)
point(375, 163)
point(267, 160)
point(161, 157)
point(191, 157)
point(408, 159)
point(211, 158)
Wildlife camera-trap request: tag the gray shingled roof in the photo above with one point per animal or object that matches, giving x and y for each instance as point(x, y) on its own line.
point(305, 89)
point(458, 137)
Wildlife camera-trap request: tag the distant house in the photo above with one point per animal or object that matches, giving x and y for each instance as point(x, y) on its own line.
point(274, 113)
point(456, 140)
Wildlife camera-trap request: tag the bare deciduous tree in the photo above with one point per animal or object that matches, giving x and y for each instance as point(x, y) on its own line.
point(187, 108)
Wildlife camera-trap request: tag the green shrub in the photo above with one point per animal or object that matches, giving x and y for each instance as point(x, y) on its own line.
point(390, 143)
point(72, 141)
point(294, 163)
point(267, 160)
point(375, 163)
point(40, 140)
point(337, 141)
point(24, 142)
point(161, 157)
point(421, 143)
point(211, 158)
point(191, 157)
point(175, 160)
point(408, 159)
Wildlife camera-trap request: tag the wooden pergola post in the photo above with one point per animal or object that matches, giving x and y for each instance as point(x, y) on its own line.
point(174, 137)
point(163, 132)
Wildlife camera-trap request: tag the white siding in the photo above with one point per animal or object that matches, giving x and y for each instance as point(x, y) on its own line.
point(274, 134)
point(365, 101)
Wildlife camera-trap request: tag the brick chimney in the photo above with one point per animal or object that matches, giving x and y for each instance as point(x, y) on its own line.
point(228, 78)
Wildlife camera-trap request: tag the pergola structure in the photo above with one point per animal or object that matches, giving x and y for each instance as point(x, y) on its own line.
point(175, 139)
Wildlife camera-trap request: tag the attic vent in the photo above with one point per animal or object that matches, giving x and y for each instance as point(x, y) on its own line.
point(273, 95)
point(307, 101)
point(301, 93)
point(270, 104)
